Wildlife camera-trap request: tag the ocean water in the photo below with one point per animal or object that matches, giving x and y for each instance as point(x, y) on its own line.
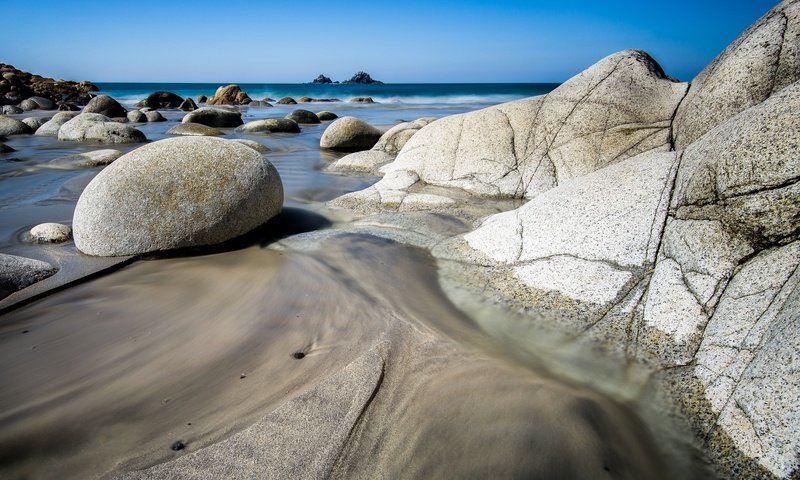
point(399, 95)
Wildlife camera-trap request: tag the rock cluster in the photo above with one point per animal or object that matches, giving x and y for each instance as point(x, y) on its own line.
point(363, 78)
point(322, 80)
point(17, 86)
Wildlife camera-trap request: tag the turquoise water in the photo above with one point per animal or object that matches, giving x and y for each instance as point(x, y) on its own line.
point(429, 94)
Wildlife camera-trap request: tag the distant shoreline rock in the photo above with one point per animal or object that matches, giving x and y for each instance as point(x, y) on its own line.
point(361, 78)
point(17, 86)
point(322, 80)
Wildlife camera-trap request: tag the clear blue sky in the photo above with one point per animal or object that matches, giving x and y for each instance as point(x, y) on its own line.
point(402, 41)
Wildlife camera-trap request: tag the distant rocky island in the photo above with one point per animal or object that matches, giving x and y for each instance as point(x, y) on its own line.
point(362, 78)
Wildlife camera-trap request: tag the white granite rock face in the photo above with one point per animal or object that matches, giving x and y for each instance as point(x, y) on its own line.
point(549, 244)
point(760, 62)
point(747, 360)
point(175, 193)
point(618, 108)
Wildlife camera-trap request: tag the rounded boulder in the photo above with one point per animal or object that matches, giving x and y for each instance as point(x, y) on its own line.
point(272, 125)
point(214, 117)
point(349, 134)
point(105, 105)
point(303, 116)
point(176, 193)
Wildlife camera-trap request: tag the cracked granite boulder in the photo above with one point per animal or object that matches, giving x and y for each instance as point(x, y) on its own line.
point(760, 62)
point(618, 108)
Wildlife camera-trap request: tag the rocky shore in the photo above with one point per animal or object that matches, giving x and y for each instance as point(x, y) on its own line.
point(649, 220)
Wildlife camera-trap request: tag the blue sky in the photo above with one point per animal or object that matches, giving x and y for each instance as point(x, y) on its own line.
point(408, 41)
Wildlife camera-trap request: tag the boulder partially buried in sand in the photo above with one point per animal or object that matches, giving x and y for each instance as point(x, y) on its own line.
point(349, 134)
point(50, 233)
point(17, 273)
point(214, 117)
point(93, 127)
point(175, 193)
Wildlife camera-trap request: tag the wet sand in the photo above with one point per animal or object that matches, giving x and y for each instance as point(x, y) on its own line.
point(105, 377)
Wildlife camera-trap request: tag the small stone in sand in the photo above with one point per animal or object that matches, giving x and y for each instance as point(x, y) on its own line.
point(178, 446)
point(298, 355)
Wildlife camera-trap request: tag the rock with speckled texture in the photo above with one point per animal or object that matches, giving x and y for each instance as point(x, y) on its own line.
point(214, 117)
point(17, 273)
point(94, 127)
point(349, 134)
point(175, 193)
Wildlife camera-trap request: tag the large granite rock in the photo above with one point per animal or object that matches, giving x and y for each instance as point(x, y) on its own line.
point(175, 193)
point(136, 116)
point(761, 61)
point(396, 137)
point(12, 126)
point(214, 117)
point(51, 127)
point(349, 134)
point(618, 108)
point(229, 95)
point(161, 100)
point(105, 105)
point(93, 127)
point(17, 273)
point(272, 125)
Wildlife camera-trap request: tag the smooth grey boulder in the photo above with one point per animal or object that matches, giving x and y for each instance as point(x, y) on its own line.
point(326, 116)
point(272, 125)
point(51, 127)
point(188, 105)
point(258, 147)
point(17, 273)
point(38, 103)
point(50, 233)
point(194, 129)
point(11, 110)
point(396, 137)
point(154, 116)
point(214, 117)
point(303, 116)
point(12, 126)
point(175, 193)
point(93, 127)
point(89, 159)
point(764, 59)
point(286, 101)
point(136, 116)
point(35, 122)
point(349, 134)
point(105, 105)
point(259, 103)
